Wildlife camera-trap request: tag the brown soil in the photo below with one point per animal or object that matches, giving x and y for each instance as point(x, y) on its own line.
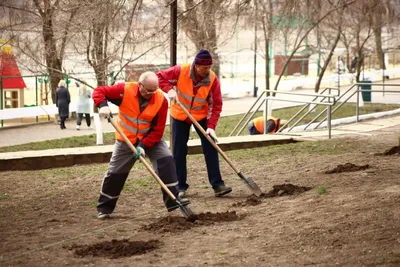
point(278, 190)
point(115, 248)
point(49, 216)
point(348, 167)
point(179, 224)
point(392, 151)
point(286, 190)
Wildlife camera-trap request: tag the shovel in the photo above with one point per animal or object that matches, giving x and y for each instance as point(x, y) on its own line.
point(248, 181)
point(185, 210)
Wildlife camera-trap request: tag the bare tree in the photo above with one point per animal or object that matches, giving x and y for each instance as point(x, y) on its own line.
point(333, 24)
point(291, 22)
point(360, 27)
point(204, 21)
point(48, 20)
point(54, 44)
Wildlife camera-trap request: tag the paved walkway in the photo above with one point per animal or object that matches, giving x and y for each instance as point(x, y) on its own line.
point(48, 131)
point(53, 158)
point(51, 130)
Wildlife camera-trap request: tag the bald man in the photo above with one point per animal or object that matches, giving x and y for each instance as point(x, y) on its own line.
point(142, 116)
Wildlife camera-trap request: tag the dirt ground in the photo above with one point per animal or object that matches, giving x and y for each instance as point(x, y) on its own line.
point(325, 203)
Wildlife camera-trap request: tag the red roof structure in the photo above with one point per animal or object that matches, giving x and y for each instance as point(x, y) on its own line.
point(9, 68)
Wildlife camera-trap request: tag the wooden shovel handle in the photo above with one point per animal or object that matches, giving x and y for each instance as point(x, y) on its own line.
point(144, 162)
point(207, 136)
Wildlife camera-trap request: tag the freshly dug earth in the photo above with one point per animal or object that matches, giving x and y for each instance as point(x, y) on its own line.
point(49, 216)
point(179, 224)
point(392, 151)
point(348, 167)
point(278, 190)
point(115, 248)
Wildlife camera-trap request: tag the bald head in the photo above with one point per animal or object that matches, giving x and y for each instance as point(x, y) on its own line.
point(149, 80)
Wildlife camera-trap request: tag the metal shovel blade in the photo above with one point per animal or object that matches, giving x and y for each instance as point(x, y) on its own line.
point(253, 186)
point(186, 212)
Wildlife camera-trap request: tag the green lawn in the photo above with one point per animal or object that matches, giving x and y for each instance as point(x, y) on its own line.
point(225, 126)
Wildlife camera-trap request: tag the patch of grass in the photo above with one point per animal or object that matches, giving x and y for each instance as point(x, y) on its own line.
point(138, 165)
point(388, 260)
point(57, 172)
point(225, 126)
point(3, 196)
point(127, 186)
point(119, 230)
point(252, 236)
point(321, 190)
point(141, 182)
point(203, 186)
point(20, 213)
point(147, 182)
point(92, 204)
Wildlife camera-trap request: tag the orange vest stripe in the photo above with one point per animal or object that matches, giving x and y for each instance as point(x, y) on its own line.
point(133, 123)
point(197, 104)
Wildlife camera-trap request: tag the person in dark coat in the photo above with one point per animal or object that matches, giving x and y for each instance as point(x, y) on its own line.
point(63, 98)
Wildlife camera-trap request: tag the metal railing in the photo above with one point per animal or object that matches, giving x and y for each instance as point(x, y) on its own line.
point(329, 97)
point(322, 98)
point(347, 95)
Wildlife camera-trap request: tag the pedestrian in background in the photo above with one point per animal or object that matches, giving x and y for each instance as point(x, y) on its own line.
point(83, 106)
point(198, 89)
point(63, 98)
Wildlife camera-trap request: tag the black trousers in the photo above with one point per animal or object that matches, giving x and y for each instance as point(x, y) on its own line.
point(121, 163)
point(79, 119)
point(62, 122)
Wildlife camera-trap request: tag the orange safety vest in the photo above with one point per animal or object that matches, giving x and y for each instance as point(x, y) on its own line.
point(133, 123)
point(259, 124)
point(197, 103)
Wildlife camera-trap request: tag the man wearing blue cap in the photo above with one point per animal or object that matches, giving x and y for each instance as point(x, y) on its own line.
point(198, 89)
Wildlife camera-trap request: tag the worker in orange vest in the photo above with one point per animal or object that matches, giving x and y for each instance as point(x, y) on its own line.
point(142, 116)
point(198, 90)
point(256, 126)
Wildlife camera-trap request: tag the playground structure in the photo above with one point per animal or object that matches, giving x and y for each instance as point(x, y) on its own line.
point(11, 83)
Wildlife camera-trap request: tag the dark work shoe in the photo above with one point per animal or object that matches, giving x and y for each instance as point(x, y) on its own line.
point(222, 190)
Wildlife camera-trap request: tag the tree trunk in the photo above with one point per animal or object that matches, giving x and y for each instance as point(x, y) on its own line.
point(54, 64)
point(327, 61)
point(378, 44)
point(97, 56)
point(267, 69)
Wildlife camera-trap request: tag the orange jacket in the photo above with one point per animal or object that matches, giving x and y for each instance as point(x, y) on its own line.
point(196, 104)
point(133, 123)
point(259, 124)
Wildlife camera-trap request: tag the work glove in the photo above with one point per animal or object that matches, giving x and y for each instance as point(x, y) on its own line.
point(212, 134)
point(105, 112)
point(140, 152)
point(172, 95)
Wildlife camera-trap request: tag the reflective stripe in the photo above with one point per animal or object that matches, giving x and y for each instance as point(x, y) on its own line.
point(187, 97)
point(191, 108)
point(200, 100)
point(172, 184)
point(134, 129)
point(197, 108)
point(187, 106)
point(108, 196)
point(134, 120)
